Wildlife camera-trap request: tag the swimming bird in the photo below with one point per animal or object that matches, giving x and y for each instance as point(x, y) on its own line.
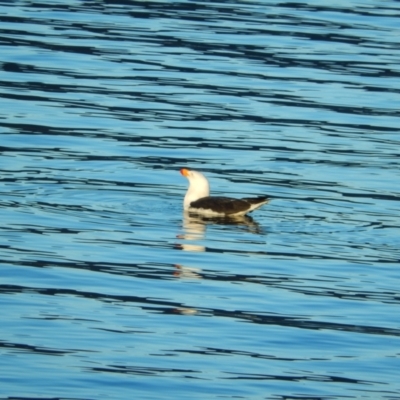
point(199, 201)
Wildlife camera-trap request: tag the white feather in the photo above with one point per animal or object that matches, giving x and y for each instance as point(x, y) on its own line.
point(198, 187)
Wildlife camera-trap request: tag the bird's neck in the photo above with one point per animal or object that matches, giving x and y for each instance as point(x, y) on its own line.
point(194, 194)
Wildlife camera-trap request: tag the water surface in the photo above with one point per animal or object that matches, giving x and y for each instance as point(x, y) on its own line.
point(108, 290)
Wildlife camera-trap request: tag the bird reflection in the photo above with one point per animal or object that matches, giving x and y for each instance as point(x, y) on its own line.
point(184, 311)
point(194, 226)
point(187, 272)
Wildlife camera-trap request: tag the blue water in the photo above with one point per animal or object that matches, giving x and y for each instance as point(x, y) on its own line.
point(108, 291)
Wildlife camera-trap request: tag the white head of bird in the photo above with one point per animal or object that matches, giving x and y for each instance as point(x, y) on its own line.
point(198, 187)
